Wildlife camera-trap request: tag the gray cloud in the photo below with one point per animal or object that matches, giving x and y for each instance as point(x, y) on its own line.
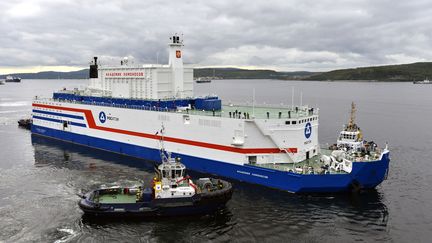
point(283, 35)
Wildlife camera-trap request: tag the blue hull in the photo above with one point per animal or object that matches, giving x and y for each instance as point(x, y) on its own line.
point(365, 175)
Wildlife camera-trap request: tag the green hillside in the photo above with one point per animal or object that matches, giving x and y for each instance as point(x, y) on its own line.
point(403, 72)
point(237, 73)
point(223, 73)
point(81, 74)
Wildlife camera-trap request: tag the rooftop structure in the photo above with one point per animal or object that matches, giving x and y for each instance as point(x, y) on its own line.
point(144, 81)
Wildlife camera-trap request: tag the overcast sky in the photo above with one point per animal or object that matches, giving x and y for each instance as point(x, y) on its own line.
point(313, 35)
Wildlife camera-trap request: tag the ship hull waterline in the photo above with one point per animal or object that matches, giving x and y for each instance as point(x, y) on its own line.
point(364, 175)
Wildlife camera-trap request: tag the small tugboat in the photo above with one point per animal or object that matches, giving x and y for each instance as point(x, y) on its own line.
point(351, 137)
point(172, 193)
point(25, 123)
point(10, 78)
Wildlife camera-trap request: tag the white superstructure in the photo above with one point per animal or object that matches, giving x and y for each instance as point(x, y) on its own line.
point(351, 136)
point(153, 81)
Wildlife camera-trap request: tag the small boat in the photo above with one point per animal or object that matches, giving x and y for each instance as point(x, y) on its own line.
point(203, 80)
point(14, 79)
point(172, 193)
point(426, 81)
point(25, 123)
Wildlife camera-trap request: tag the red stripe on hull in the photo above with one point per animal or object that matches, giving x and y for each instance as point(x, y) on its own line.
point(91, 124)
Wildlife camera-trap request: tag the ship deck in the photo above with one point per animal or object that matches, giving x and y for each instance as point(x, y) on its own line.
point(301, 167)
point(228, 110)
point(314, 162)
point(259, 112)
point(117, 198)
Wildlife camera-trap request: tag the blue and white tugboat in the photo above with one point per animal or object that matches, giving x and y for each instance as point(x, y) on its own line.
point(362, 163)
point(172, 193)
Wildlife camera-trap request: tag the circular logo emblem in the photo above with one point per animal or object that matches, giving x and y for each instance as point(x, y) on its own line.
point(308, 130)
point(102, 117)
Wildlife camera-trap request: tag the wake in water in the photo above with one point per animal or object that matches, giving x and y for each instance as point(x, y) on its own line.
point(16, 103)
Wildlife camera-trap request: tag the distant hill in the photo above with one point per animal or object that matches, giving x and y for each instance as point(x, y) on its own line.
point(403, 72)
point(81, 74)
point(237, 73)
point(225, 73)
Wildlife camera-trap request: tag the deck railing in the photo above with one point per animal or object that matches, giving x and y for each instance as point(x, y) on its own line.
point(243, 111)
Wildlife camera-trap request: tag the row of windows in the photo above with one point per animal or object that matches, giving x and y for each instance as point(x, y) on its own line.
point(301, 121)
point(348, 136)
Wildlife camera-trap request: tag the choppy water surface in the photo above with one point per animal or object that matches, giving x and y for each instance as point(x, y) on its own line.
point(40, 177)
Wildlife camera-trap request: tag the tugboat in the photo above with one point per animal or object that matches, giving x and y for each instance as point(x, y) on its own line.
point(351, 138)
point(351, 149)
point(172, 193)
point(25, 123)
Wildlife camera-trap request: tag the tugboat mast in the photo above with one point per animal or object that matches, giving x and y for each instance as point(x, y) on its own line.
point(351, 124)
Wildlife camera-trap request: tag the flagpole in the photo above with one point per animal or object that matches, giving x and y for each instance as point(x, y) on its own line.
point(292, 98)
point(253, 103)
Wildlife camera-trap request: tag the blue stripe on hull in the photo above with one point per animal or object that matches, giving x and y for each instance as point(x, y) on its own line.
point(366, 174)
point(59, 121)
point(57, 114)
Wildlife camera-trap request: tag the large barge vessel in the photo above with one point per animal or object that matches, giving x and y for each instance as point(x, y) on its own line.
point(124, 107)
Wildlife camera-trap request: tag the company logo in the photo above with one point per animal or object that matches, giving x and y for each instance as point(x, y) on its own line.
point(102, 117)
point(178, 54)
point(308, 130)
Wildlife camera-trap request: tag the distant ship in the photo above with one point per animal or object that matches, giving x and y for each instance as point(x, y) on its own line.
point(426, 81)
point(203, 80)
point(2, 81)
point(10, 78)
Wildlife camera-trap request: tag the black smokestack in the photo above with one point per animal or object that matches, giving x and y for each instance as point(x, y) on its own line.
point(93, 73)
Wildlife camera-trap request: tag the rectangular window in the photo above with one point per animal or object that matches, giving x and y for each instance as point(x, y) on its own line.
point(287, 122)
point(252, 160)
point(294, 122)
point(186, 119)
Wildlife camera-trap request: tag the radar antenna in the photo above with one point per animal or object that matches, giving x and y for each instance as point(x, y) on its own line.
point(165, 155)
